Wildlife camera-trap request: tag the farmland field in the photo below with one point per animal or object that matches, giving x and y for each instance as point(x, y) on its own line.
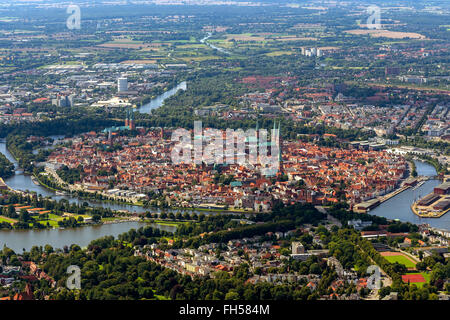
point(386, 34)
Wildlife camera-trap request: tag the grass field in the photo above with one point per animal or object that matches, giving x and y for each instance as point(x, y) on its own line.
point(6, 219)
point(52, 223)
point(53, 219)
point(401, 259)
point(111, 219)
point(199, 58)
point(193, 46)
point(169, 223)
point(278, 53)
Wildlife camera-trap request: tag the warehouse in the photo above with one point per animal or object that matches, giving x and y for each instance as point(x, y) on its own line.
point(428, 199)
point(442, 205)
point(443, 188)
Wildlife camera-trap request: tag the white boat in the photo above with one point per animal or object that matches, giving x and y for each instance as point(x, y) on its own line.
point(419, 185)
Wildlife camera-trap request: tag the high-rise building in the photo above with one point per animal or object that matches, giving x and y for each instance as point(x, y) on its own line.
point(319, 52)
point(63, 101)
point(122, 84)
point(297, 247)
point(311, 52)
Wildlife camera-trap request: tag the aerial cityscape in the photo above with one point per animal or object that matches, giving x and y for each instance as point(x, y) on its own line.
point(225, 150)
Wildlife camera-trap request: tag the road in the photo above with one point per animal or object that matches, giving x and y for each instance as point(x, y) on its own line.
point(330, 218)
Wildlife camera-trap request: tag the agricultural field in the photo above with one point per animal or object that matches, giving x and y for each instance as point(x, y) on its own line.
point(199, 58)
point(295, 38)
point(279, 53)
point(386, 34)
point(245, 37)
point(140, 61)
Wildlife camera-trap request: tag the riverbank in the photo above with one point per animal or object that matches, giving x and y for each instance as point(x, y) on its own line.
point(411, 181)
point(399, 207)
point(433, 162)
point(159, 100)
point(412, 173)
point(45, 219)
point(213, 210)
point(41, 183)
point(203, 40)
point(368, 205)
point(87, 194)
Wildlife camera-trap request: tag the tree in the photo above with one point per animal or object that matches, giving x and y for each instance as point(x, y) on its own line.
point(232, 295)
point(315, 268)
point(48, 249)
point(11, 213)
point(421, 266)
point(217, 295)
point(24, 215)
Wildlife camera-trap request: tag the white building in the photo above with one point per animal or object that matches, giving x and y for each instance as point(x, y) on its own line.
point(122, 85)
point(297, 247)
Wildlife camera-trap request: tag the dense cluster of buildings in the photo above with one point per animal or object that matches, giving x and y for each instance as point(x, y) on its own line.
point(326, 104)
point(437, 123)
point(112, 161)
point(205, 261)
point(12, 275)
point(105, 85)
point(263, 258)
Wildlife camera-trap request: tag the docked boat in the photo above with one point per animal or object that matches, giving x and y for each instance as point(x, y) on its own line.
point(419, 185)
point(35, 181)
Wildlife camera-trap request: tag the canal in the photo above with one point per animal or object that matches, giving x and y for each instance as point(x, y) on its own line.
point(399, 207)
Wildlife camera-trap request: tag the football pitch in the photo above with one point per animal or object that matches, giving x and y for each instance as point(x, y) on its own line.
point(401, 259)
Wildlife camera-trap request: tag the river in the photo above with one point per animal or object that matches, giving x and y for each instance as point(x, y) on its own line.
point(58, 238)
point(213, 46)
point(23, 182)
point(399, 207)
point(19, 239)
point(159, 100)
